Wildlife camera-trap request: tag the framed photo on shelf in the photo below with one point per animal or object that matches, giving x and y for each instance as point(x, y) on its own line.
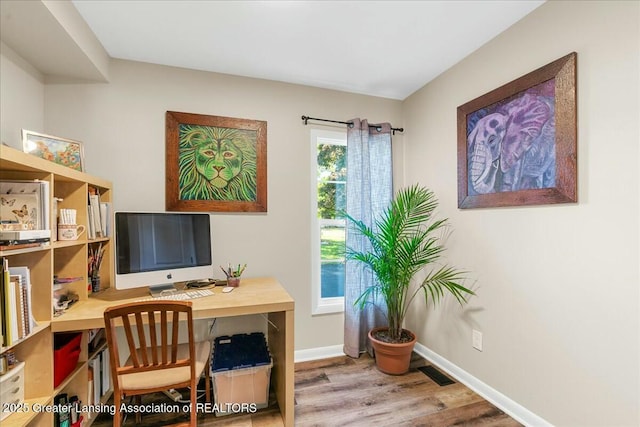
point(215, 164)
point(517, 145)
point(65, 152)
point(24, 205)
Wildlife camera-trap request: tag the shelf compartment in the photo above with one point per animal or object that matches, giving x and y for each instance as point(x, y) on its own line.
point(20, 419)
point(39, 328)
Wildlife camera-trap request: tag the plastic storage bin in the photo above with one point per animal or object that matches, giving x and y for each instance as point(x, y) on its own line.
point(241, 371)
point(66, 351)
point(11, 390)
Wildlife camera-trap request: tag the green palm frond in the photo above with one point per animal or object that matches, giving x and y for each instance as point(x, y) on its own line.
point(403, 243)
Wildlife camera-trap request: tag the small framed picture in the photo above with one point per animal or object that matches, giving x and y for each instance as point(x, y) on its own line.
point(62, 151)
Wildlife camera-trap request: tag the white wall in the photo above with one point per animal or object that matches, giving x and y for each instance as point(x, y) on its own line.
point(22, 100)
point(122, 125)
point(558, 285)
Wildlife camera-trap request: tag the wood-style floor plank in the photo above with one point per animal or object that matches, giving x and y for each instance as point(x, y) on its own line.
point(350, 392)
point(342, 391)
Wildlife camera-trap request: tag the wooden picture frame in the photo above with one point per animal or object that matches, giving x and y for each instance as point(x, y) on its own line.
point(215, 164)
point(62, 151)
point(517, 145)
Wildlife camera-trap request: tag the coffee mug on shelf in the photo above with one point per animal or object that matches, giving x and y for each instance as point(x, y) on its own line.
point(70, 231)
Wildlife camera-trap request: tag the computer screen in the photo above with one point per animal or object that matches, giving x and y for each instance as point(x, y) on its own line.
point(158, 249)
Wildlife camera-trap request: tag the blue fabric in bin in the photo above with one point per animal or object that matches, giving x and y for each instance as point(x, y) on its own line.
point(240, 351)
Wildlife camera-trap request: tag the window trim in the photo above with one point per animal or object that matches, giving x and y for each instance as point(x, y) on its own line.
point(320, 305)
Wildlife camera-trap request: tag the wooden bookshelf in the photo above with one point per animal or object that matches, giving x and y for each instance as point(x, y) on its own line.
point(62, 258)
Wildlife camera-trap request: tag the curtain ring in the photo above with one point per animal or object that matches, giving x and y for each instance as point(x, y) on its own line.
point(379, 128)
point(350, 124)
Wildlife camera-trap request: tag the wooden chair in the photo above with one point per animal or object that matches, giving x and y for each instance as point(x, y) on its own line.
point(156, 361)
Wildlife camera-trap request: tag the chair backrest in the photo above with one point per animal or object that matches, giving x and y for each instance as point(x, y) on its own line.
point(149, 348)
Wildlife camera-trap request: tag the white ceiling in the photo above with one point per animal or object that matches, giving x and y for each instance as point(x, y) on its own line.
point(382, 48)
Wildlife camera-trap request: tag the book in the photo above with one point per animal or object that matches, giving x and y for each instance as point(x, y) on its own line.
point(91, 230)
point(25, 275)
point(19, 246)
point(19, 303)
point(11, 245)
point(11, 314)
point(105, 215)
point(26, 309)
point(90, 399)
point(25, 234)
point(95, 364)
point(104, 368)
point(2, 323)
point(22, 241)
point(4, 278)
point(94, 203)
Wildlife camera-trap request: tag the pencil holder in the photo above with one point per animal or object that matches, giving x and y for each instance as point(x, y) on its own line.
point(95, 284)
point(233, 282)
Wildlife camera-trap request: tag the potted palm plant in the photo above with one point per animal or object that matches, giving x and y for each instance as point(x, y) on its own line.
point(406, 240)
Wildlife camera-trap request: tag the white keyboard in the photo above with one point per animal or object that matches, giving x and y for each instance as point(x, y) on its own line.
point(180, 296)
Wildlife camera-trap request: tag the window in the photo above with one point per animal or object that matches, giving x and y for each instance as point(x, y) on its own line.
point(329, 199)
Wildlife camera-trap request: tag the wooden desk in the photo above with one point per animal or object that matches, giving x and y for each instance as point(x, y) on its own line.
point(253, 296)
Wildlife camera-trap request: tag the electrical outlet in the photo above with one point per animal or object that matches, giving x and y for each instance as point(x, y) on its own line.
point(476, 340)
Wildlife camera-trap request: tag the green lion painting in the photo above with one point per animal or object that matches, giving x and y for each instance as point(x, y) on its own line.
point(217, 163)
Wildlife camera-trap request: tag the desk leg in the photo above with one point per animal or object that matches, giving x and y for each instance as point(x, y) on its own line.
point(281, 347)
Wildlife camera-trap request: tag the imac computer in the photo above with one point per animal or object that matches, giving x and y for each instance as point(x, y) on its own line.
point(158, 249)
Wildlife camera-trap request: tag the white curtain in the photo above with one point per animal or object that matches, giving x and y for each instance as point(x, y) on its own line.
point(369, 192)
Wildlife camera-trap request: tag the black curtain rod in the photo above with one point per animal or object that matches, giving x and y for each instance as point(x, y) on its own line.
point(350, 124)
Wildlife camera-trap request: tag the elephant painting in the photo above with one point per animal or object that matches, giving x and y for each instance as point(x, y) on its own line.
point(511, 144)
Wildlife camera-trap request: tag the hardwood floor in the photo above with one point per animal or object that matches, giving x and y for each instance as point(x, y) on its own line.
point(351, 392)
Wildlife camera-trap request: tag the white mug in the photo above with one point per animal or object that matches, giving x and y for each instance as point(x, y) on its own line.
point(70, 231)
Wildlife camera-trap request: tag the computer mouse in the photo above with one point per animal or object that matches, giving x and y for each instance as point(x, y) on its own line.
point(227, 289)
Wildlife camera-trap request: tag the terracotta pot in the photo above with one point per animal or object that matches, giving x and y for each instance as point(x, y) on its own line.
point(392, 358)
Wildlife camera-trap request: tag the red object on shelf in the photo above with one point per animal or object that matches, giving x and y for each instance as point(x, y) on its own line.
point(66, 353)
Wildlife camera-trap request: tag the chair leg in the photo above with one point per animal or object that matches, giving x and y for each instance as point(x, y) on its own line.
point(138, 399)
point(207, 386)
point(194, 400)
point(117, 416)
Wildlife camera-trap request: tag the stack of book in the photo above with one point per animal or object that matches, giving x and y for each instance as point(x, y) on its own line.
point(24, 214)
point(10, 240)
point(16, 316)
point(99, 377)
point(98, 214)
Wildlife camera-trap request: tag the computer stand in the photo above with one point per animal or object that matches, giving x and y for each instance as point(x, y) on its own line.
point(162, 290)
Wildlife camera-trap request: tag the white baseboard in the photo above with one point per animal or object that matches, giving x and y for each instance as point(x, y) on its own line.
point(511, 408)
point(318, 353)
